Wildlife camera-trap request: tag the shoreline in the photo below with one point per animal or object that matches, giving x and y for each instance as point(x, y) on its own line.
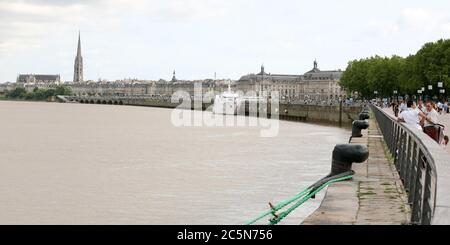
point(281, 118)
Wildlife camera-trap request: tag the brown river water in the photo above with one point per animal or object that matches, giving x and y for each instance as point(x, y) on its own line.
point(104, 164)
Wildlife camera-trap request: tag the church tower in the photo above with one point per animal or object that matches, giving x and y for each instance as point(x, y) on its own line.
point(174, 78)
point(78, 68)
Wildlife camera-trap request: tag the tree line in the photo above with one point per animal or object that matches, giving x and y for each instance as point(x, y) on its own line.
point(37, 94)
point(381, 76)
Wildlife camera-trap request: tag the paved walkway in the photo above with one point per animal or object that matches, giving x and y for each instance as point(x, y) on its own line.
point(374, 197)
point(443, 119)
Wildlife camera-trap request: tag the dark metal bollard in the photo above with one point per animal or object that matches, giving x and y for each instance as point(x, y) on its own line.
point(364, 116)
point(357, 127)
point(343, 158)
point(345, 155)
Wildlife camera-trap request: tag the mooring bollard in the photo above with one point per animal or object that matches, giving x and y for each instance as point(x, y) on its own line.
point(357, 127)
point(343, 158)
point(364, 116)
point(341, 170)
point(345, 155)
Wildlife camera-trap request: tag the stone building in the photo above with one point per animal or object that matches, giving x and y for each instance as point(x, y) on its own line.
point(37, 79)
point(160, 88)
point(32, 81)
point(5, 87)
point(145, 88)
point(313, 85)
point(109, 88)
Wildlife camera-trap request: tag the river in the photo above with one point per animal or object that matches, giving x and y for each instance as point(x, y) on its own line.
point(104, 164)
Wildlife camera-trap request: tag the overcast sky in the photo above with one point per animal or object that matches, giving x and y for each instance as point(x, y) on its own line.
point(148, 39)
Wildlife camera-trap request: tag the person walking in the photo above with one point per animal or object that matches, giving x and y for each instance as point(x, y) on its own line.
point(440, 107)
point(403, 107)
point(396, 109)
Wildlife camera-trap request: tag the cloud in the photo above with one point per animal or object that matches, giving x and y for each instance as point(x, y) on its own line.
point(412, 20)
point(170, 10)
point(423, 20)
point(122, 35)
point(24, 21)
point(23, 24)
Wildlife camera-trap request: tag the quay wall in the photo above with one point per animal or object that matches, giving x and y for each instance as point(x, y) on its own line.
point(334, 114)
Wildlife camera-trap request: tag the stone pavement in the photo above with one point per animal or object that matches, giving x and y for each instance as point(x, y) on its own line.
point(374, 197)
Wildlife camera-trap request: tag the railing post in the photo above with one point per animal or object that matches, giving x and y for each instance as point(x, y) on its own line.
point(407, 162)
point(401, 153)
point(409, 169)
point(416, 193)
point(427, 207)
point(392, 145)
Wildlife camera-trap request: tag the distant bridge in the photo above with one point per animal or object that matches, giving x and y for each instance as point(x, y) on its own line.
point(151, 101)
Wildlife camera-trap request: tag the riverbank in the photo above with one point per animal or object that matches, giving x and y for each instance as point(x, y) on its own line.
point(338, 115)
point(47, 94)
point(375, 196)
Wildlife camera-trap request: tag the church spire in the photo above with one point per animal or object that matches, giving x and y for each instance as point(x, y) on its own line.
point(79, 44)
point(78, 67)
point(174, 78)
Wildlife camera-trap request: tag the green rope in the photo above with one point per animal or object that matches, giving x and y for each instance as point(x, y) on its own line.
point(280, 206)
point(308, 192)
point(283, 215)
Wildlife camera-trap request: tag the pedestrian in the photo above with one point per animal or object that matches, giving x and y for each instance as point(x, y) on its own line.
point(396, 109)
point(445, 143)
point(431, 115)
point(446, 107)
point(430, 124)
point(411, 116)
point(421, 106)
point(403, 107)
point(440, 107)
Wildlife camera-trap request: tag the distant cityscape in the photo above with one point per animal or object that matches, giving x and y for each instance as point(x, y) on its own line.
point(314, 85)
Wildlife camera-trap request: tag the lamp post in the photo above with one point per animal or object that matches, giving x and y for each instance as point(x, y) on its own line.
point(441, 89)
point(396, 94)
point(430, 92)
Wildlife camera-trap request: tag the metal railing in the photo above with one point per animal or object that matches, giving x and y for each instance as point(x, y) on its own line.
point(423, 167)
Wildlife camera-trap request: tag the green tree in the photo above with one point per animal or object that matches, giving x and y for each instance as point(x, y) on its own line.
point(430, 65)
point(17, 93)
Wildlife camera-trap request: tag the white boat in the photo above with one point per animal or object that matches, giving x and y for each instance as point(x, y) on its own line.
point(226, 103)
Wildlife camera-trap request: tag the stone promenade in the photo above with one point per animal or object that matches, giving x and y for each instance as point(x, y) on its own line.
point(374, 197)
